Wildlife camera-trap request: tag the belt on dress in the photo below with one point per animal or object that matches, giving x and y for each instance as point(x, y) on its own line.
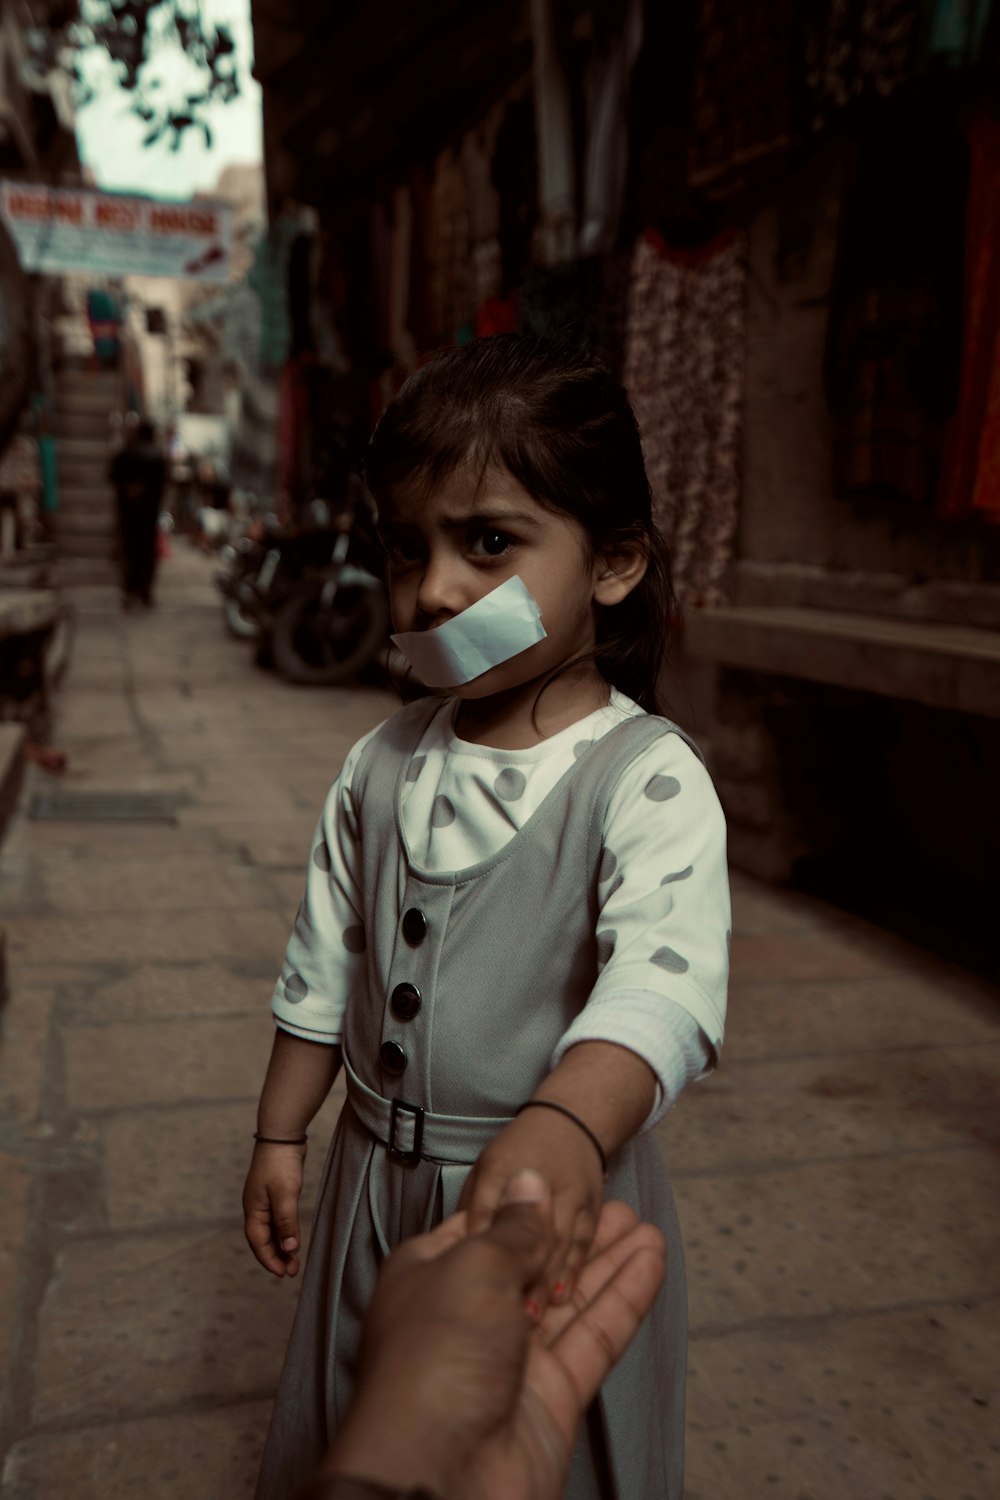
point(411, 1133)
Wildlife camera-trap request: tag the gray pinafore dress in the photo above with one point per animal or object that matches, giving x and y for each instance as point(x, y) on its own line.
point(473, 976)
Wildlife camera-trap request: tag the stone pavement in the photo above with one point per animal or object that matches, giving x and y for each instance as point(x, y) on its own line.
point(838, 1179)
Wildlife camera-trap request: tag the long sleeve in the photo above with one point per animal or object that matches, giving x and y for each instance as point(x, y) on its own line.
point(664, 922)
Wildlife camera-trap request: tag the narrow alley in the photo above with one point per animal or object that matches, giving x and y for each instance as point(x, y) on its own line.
point(838, 1179)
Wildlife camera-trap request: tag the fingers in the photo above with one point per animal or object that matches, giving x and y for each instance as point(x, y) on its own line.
point(435, 1243)
point(482, 1197)
point(580, 1242)
point(285, 1219)
point(259, 1232)
point(271, 1227)
point(619, 1234)
point(523, 1227)
point(600, 1332)
point(615, 1220)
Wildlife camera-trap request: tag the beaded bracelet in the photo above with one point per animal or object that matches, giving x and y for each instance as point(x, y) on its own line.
point(551, 1104)
point(273, 1140)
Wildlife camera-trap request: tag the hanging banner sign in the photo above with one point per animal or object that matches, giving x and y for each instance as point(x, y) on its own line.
point(71, 229)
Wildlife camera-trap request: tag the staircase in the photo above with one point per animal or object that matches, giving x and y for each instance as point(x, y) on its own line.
point(86, 527)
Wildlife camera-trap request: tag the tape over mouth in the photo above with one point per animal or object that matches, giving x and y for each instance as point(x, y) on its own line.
point(501, 625)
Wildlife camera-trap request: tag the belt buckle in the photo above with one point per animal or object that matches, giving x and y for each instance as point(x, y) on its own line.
point(397, 1153)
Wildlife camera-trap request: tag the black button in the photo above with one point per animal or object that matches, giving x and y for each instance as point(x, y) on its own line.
point(405, 1001)
point(414, 925)
point(393, 1058)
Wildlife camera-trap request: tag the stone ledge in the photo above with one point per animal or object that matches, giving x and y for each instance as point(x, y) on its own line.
point(942, 666)
point(23, 611)
point(12, 738)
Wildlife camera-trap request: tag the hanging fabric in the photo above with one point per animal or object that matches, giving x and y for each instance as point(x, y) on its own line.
point(747, 72)
point(971, 478)
point(895, 326)
point(420, 307)
point(860, 49)
point(683, 370)
point(269, 278)
point(400, 338)
point(955, 31)
point(514, 174)
point(556, 233)
point(614, 52)
point(450, 296)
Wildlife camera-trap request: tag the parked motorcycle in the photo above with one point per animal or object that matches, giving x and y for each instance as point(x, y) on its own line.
point(241, 563)
point(313, 598)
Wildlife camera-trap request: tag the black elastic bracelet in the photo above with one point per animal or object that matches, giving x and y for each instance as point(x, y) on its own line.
point(551, 1104)
point(273, 1140)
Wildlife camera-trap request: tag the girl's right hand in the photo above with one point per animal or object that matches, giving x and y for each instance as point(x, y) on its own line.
point(271, 1207)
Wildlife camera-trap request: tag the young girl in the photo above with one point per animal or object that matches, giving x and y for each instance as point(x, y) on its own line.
point(514, 931)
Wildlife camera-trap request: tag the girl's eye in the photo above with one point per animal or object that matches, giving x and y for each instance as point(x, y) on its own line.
point(400, 550)
point(492, 543)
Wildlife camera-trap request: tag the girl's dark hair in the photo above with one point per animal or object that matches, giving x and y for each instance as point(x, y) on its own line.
point(559, 422)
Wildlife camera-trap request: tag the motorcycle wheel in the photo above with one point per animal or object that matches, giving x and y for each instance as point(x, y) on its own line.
point(322, 645)
point(239, 624)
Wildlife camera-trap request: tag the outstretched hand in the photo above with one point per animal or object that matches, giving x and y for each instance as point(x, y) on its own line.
point(546, 1142)
point(485, 1403)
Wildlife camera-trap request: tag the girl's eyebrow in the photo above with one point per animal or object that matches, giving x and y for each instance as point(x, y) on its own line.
point(489, 518)
point(499, 519)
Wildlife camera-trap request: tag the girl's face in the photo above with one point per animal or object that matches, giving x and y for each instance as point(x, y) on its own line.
point(448, 549)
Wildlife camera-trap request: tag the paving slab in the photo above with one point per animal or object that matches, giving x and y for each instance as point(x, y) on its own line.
point(133, 1325)
point(171, 882)
point(210, 1455)
point(128, 1064)
point(24, 1044)
point(838, 1105)
point(785, 1017)
point(922, 1457)
point(15, 1187)
point(849, 953)
point(913, 1359)
point(177, 991)
point(96, 937)
point(828, 1237)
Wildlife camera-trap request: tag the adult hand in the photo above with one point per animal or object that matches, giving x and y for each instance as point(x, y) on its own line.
point(527, 1455)
point(546, 1142)
point(458, 1390)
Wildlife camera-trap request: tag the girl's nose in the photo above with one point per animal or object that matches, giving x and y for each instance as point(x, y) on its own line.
point(439, 596)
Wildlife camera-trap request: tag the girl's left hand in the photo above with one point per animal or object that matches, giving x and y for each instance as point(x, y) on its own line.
point(560, 1152)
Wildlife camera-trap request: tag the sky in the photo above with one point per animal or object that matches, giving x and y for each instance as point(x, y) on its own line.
point(110, 137)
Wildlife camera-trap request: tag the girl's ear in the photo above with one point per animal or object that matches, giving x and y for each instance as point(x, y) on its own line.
point(617, 573)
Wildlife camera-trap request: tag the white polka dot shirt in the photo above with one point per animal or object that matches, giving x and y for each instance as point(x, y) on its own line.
point(663, 927)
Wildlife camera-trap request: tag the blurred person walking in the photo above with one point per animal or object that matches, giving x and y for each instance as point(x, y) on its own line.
point(139, 475)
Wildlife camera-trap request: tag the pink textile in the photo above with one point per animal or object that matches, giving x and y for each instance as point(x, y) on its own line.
point(683, 371)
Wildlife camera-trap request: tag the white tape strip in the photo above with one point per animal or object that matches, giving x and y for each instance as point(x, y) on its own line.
point(502, 624)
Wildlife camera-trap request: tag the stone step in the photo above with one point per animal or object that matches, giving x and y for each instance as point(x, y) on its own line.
point(85, 523)
point(72, 571)
point(87, 450)
point(94, 425)
point(84, 544)
point(12, 737)
point(77, 385)
point(86, 397)
point(86, 497)
point(81, 476)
